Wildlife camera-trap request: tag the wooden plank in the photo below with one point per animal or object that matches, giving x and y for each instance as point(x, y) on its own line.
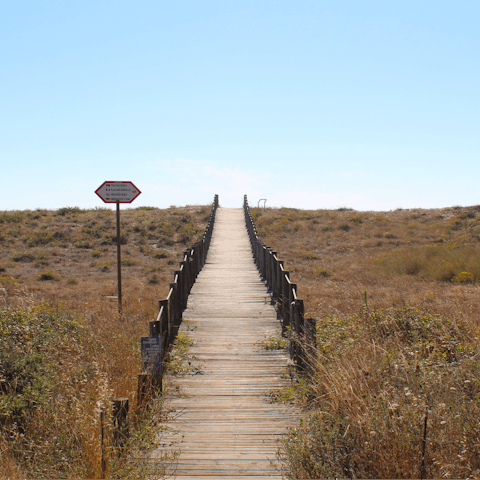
point(222, 422)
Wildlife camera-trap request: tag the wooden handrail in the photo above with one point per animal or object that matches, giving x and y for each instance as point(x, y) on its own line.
point(300, 331)
point(164, 329)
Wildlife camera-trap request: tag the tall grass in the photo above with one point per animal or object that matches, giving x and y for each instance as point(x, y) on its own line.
point(433, 262)
point(381, 377)
point(395, 392)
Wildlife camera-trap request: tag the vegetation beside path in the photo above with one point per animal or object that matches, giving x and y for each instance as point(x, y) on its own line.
point(396, 389)
point(64, 354)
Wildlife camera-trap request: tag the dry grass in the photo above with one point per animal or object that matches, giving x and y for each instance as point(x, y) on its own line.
point(395, 295)
point(65, 353)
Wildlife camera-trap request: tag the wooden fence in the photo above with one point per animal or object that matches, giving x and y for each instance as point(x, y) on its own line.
point(300, 331)
point(164, 329)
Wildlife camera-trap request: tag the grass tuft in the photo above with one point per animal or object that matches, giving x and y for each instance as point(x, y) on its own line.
point(47, 275)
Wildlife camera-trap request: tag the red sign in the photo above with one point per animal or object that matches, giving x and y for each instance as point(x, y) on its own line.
point(121, 192)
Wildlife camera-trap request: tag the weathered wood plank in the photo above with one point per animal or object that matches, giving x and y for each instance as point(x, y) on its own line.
point(223, 423)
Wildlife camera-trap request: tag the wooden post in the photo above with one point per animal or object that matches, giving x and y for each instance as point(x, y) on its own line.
point(164, 331)
point(119, 263)
point(172, 312)
point(268, 270)
point(103, 460)
point(299, 328)
point(285, 299)
point(120, 421)
point(274, 274)
point(291, 300)
point(279, 265)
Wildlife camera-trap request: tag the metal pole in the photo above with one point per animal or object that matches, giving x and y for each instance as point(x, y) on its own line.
point(119, 264)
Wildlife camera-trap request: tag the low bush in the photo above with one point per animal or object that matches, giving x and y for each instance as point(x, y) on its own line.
point(161, 254)
point(47, 275)
point(464, 277)
point(323, 272)
point(23, 257)
point(69, 211)
point(12, 217)
point(103, 266)
point(127, 261)
point(39, 238)
point(307, 255)
point(153, 279)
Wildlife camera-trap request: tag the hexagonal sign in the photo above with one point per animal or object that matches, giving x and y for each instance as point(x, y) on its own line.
point(121, 192)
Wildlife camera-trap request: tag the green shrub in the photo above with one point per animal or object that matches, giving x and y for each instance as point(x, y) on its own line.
point(307, 255)
point(275, 343)
point(39, 238)
point(111, 239)
point(69, 211)
point(128, 261)
point(356, 219)
point(47, 275)
point(23, 257)
point(186, 234)
point(323, 272)
point(7, 280)
point(41, 262)
point(104, 266)
point(12, 217)
point(153, 280)
point(464, 277)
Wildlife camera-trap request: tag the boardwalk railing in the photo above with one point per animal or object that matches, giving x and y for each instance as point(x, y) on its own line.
point(164, 329)
point(301, 331)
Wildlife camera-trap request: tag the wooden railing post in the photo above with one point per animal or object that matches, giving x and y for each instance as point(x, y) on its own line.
point(299, 328)
point(285, 298)
point(280, 264)
point(263, 261)
point(274, 274)
point(268, 267)
point(172, 320)
point(164, 330)
point(291, 302)
point(120, 421)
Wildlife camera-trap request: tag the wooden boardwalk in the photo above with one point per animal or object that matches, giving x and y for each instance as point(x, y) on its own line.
point(223, 424)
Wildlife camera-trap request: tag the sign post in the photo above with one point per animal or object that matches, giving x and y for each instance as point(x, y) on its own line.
point(119, 262)
point(118, 192)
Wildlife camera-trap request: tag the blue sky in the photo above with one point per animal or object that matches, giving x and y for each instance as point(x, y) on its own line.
point(311, 104)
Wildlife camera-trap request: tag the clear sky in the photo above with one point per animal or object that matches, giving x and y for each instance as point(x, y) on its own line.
point(372, 105)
